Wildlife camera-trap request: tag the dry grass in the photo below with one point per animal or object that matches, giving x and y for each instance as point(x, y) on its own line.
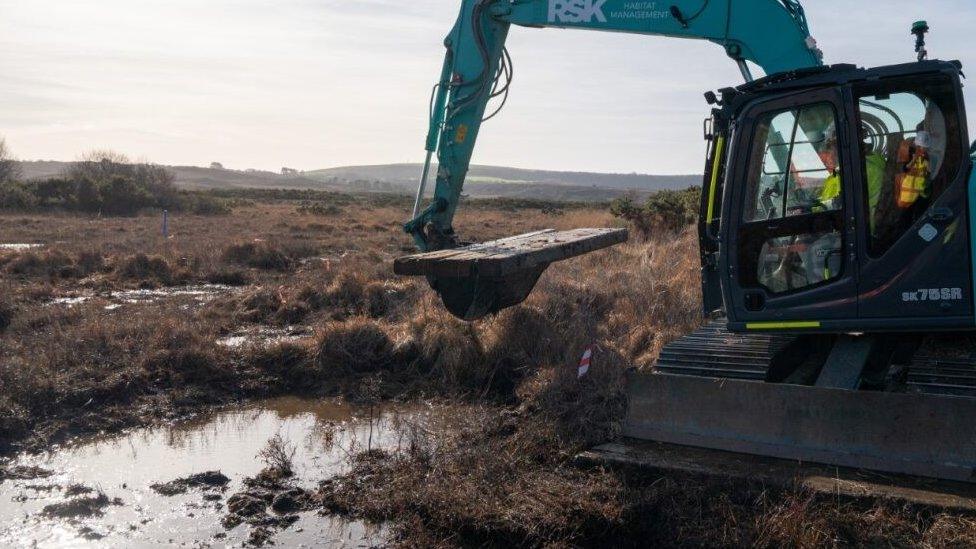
point(260, 255)
point(149, 269)
point(352, 347)
point(500, 473)
point(71, 368)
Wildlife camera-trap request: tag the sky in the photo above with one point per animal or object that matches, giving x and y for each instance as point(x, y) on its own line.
point(315, 84)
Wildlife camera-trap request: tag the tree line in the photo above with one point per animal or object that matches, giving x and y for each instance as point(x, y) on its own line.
point(101, 182)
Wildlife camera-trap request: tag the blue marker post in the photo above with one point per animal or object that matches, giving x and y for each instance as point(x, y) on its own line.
point(165, 223)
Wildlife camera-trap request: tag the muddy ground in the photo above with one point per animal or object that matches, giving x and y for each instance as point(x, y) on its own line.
point(106, 325)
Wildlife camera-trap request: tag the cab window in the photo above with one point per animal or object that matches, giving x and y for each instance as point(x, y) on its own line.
point(910, 151)
point(795, 171)
point(793, 200)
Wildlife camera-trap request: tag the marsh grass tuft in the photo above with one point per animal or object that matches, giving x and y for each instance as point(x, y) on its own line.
point(279, 455)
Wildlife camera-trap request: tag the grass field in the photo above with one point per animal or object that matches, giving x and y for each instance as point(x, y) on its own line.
point(107, 324)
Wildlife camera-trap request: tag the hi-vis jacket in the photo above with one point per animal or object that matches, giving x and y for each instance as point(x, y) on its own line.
point(913, 182)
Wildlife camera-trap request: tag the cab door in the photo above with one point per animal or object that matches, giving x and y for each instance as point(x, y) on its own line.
point(916, 250)
point(790, 259)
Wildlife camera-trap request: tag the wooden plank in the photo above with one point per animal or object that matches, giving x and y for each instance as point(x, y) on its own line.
point(500, 257)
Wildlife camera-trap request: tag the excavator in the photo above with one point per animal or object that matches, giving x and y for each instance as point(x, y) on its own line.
point(836, 235)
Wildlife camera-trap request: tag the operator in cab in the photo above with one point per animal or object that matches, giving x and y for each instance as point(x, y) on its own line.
point(830, 193)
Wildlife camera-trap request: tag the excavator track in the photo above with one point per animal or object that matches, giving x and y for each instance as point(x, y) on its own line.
point(941, 376)
point(712, 351)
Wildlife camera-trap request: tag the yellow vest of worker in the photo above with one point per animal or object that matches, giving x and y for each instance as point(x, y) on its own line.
point(914, 182)
point(831, 187)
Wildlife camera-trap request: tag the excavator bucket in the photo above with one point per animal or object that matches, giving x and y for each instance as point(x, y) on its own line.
point(723, 391)
point(481, 279)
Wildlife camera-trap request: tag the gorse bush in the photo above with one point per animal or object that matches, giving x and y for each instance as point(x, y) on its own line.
point(106, 182)
point(109, 185)
point(15, 195)
point(664, 210)
point(115, 196)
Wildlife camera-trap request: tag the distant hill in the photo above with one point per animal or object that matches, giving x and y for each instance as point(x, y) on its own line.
point(410, 173)
point(483, 181)
point(193, 177)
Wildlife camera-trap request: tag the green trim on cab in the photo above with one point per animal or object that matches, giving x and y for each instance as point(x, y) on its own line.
point(782, 325)
point(716, 162)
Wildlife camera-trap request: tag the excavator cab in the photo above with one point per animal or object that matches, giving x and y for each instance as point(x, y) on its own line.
point(811, 216)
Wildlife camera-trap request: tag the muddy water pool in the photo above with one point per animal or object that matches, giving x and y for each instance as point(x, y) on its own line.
point(201, 293)
point(322, 432)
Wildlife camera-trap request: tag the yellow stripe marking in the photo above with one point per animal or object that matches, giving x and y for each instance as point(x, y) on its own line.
point(714, 184)
point(782, 325)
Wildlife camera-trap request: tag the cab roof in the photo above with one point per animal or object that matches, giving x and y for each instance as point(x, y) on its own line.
point(829, 76)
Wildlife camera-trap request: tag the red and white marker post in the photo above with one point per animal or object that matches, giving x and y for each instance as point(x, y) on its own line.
point(584, 365)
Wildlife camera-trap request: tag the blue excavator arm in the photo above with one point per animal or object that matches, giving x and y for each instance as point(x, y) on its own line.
point(772, 34)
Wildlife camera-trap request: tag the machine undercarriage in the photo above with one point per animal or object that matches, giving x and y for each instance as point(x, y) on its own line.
point(887, 402)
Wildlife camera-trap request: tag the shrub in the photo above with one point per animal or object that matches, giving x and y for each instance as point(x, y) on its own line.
point(122, 196)
point(202, 204)
point(88, 196)
point(55, 192)
point(664, 210)
point(104, 167)
point(17, 196)
point(108, 184)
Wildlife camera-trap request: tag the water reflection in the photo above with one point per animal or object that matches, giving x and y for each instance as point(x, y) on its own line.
point(322, 431)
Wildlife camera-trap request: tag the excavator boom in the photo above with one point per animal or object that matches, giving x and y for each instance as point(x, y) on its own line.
point(772, 34)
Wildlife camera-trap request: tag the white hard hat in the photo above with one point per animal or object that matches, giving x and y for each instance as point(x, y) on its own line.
point(923, 139)
point(830, 134)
